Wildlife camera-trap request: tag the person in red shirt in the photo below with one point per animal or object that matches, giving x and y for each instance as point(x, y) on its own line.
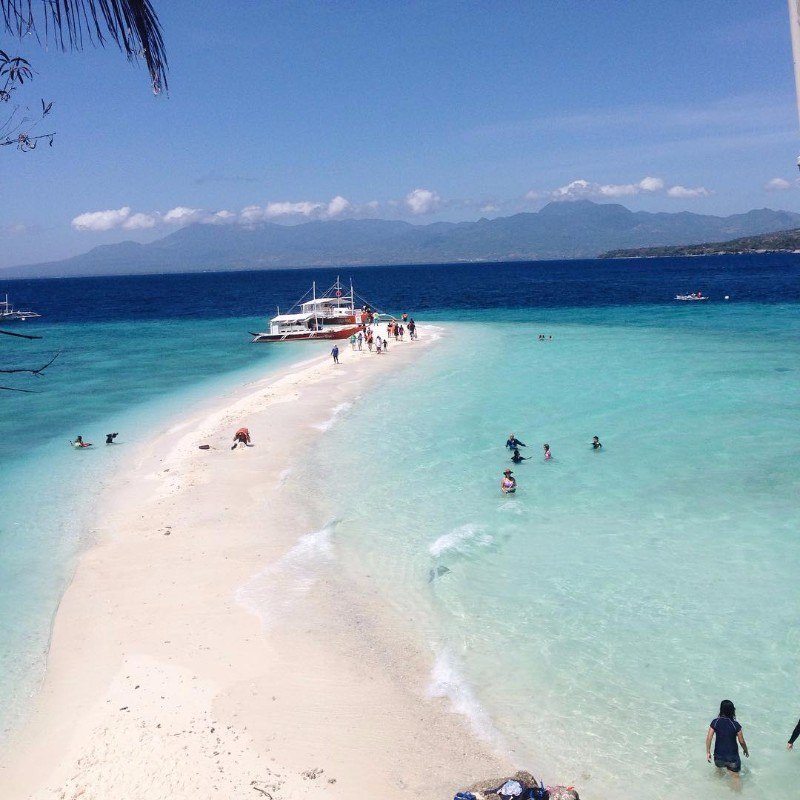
point(241, 436)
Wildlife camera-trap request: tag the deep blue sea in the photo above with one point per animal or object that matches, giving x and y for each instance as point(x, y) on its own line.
point(593, 622)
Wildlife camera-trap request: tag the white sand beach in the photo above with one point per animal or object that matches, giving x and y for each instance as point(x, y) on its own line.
point(162, 682)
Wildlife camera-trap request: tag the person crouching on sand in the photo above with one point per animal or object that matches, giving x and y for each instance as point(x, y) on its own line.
point(242, 436)
point(508, 484)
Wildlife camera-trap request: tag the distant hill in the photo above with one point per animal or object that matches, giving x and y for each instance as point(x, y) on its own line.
point(579, 229)
point(778, 242)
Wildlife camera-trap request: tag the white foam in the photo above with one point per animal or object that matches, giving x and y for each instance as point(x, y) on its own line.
point(447, 681)
point(331, 421)
point(456, 538)
point(271, 593)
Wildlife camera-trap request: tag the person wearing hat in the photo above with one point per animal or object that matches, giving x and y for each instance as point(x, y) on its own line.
point(508, 484)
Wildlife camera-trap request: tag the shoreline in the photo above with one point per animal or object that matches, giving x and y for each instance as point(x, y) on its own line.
point(161, 682)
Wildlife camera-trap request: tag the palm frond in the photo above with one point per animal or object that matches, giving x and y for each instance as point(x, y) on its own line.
point(132, 24)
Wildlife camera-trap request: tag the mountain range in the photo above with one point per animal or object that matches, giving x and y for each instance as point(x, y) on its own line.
point(563, 230)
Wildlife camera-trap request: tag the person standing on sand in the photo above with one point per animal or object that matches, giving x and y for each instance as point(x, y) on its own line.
point(729, 736)
point(335, 353)
point(352, 341)
point(793, 737)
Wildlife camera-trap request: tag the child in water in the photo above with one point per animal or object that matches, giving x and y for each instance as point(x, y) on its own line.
point(517, 457)
point(547, 454)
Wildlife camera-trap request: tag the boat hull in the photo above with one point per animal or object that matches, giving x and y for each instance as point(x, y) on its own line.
point(304, 336)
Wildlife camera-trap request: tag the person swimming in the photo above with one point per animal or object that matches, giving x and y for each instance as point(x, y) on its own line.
point(508, 484)
point(517, 457)
point(547, 454)
point(596, 445)
point(80, 443)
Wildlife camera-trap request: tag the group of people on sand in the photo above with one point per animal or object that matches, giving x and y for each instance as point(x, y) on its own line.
point(374, 341)
point(727, 735)
point(508, 483)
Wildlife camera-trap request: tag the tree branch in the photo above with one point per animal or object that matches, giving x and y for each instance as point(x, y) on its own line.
point(21, 335)
point(131, 24)
point(13, 389)
point(37, 371)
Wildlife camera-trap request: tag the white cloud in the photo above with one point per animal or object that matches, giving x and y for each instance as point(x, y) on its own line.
point(686, 192)
point(422, 201)
point(533, 195)
point(16, 229)
point(304, 208)
point(101, 220)
point(651, 184)
point(777, 185)
point(222, 216)
point(337, 206)
point(137, 222)
point(584, 188)
point(180, 215)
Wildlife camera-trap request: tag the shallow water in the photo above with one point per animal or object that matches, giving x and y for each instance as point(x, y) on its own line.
point(593, 622)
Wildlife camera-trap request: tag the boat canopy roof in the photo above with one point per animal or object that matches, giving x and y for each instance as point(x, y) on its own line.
point(292, 317)
point(323, 301)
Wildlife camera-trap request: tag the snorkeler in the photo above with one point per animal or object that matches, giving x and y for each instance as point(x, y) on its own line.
point(596, 445)
point(517, 456)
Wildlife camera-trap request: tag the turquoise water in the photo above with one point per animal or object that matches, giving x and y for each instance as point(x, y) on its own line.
point(593, 622)
point(130, 377)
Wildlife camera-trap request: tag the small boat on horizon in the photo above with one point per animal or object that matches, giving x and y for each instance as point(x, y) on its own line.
point(693, 297)
point(331, 315)
point(8, 312)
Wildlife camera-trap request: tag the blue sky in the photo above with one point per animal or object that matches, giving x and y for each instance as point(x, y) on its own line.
point(424, 111)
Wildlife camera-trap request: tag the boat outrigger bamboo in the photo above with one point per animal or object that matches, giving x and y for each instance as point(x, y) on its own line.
point(332, 315)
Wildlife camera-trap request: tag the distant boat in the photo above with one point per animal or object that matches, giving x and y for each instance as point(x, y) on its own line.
point(8, 312)
point(693, 297)
point(332, 315)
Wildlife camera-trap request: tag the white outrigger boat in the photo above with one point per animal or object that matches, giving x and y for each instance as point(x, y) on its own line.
point(694, 297)
point(332, 315)
point(8, 312)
